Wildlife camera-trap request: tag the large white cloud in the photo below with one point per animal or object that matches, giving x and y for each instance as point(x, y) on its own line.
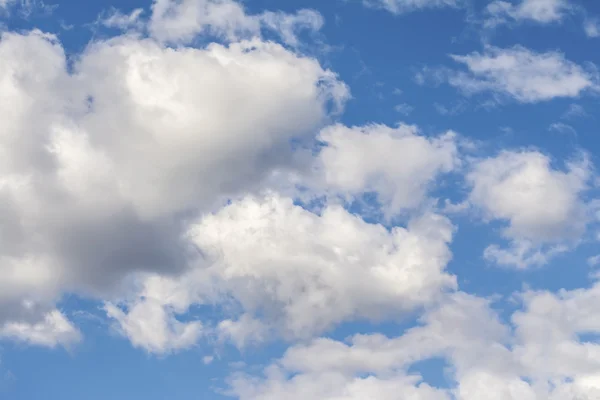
point(104, 161)
point(541, 205)
point(522, 74)
point(297, 274)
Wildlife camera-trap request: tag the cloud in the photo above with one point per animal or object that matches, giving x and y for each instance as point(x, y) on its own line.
point(404, 108)
point(594, 260)
point(591, 27)
point(52, 331)
point(182, 21)
point(406, 6)
point(152, 326)
point(574, 111)
point(116, 19)
point(563, 128)
point(537, 355)
point(283, 282)
point(5, 3)
point(541, 205)
point(454, 109)
point(522, 74)
point(287, 25)
point(104, 162)
point(398, 164)
point(540, 11)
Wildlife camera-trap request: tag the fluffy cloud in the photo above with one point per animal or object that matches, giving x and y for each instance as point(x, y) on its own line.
point(103, 162)
point(540, 11)
point(153, 326)
point(54, 330)
point(406, 6)
point(398, 164)
point(302, 273)
point(182, 21)
point(522, 74)
point(540, 204)
point(542, 359)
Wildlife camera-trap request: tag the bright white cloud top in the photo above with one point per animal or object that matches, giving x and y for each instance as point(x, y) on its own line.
point(198, 158)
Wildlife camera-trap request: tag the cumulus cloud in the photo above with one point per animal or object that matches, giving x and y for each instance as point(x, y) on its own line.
point(539, 11)
point(406, 6)
point(536, 356)
point(103, 162)
point(522, 74)
point(540, 204)
point(398, 164)
point(295, 273)
point(153, 326)
point(54, 330)
point(181, 21)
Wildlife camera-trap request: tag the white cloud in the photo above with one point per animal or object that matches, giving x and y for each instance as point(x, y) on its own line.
point(153, 326)
point(181, 21)
point(522, 74)
point(574, 111)
point(454, 109)
point(540, 204)
point(54, 330)
point(101, 166)
point(295, 274)
point(406, 6)
point(538, 356)
point(343, 270)
point(563, 128)
point(116, 19)
point(399, 164)
point(539, 11)
point(591, 27)
point(244, 331)
point(287, 25)
point(404, 108)
point(594, 260)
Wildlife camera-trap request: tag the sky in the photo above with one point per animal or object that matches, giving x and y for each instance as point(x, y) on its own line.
point(336, 200)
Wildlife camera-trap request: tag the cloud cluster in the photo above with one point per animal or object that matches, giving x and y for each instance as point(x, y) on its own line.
point(159, 178)
point(536, 356)
point(181, 22)
point(296, 273)
point(105, 160)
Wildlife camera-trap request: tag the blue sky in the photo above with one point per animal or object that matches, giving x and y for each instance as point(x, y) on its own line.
point(341, 200)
